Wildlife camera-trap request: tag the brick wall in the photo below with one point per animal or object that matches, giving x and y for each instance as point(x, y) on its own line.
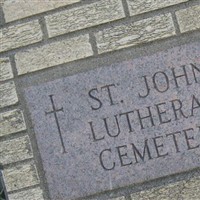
point(37, 35)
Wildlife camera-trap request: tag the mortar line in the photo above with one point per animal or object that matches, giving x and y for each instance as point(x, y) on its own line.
point(24, 189)
point(2, 17)
point(13, 64)
point(19, 163)
point(10, 108)
point(126, 9)
point(13, 136)
point(6, 81)
point(176, 25)
point(43, 28)
point(93, 43)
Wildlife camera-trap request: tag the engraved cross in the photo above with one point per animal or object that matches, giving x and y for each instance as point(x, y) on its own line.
point(55, 111)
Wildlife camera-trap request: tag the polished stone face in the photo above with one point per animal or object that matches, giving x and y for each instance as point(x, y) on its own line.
point(119, 125)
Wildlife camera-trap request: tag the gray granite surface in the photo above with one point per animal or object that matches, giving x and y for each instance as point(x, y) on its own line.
point(120, 125)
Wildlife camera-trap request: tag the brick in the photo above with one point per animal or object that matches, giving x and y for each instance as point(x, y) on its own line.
point(15, 150)
point(142, 6)
point(5, 69)
point(84, 16)
point(183, 190)
point(20, 176)
point(11, 122)
point(31, 194)
point(126, 35)
point(191, 189)
point(8, 94)
point(189, 19)
point(20, 35)
point(53, 54)
point(17, 9)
